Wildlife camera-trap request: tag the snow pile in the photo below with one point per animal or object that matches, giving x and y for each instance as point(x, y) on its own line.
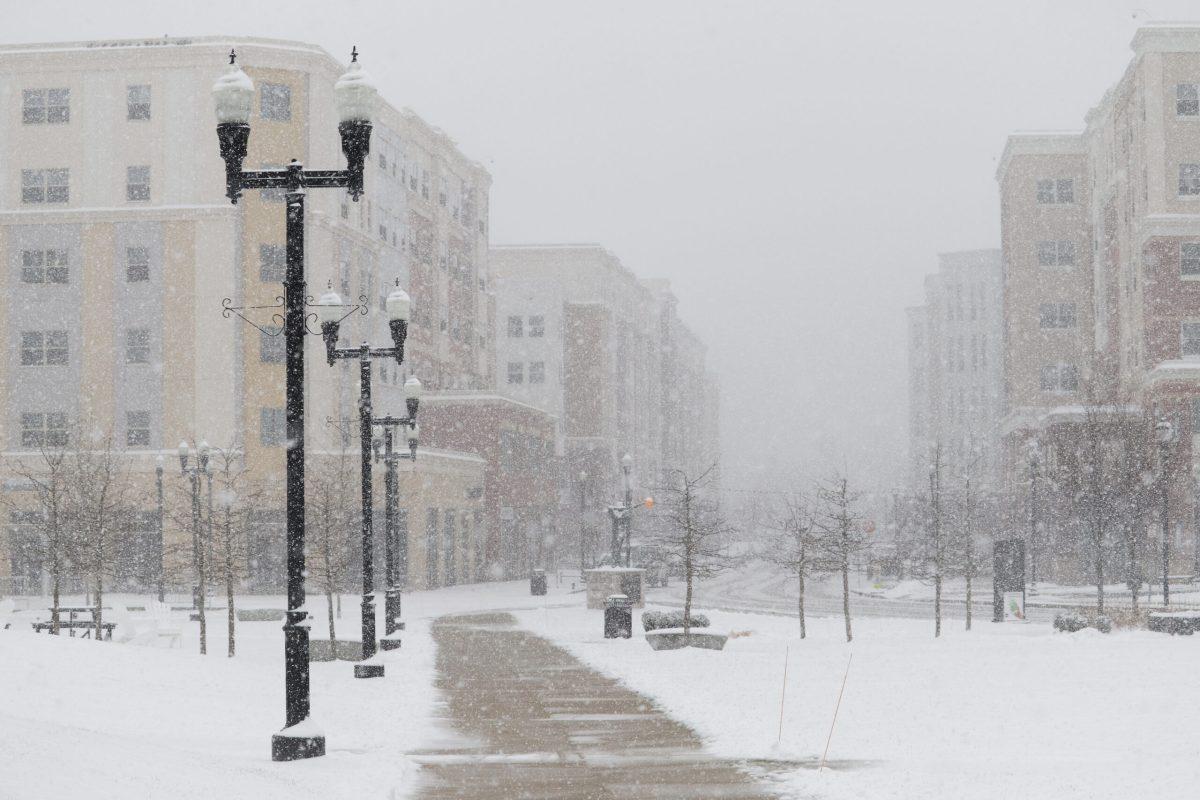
point(1003, 711)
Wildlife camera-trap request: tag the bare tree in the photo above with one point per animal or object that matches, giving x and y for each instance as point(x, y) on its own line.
point(793, 545)
point(331, 514)
point(99, 498)
point(839, 535)
point(236, 499)
point(48, 519)
point(694, 530)
point(935, 544)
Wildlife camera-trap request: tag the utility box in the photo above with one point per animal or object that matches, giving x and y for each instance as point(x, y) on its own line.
point(1008, 574)
point(605, 581)
point(537, 582)
point(618, 617)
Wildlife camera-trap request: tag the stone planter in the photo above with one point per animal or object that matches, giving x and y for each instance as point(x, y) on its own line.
point(675, 639)
point(340, 650)
point(260, 614)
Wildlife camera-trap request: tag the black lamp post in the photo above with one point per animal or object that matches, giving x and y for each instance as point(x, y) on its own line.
point(1164, 433)
point(193, 471)
point(329, 311)
point(582, 533)
point(396, 548)
point(626, 467)
point(158, 483)
point(355, 96)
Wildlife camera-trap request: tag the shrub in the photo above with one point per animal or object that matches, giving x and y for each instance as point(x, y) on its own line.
point(657, 620)
point(1072, 621)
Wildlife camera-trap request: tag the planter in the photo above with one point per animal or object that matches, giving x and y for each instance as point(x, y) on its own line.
point(340, 650)
point(1183, 623)
point(676, 639)
point(260, 614)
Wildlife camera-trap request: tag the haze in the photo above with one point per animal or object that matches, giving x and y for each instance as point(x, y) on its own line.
point(792, 168)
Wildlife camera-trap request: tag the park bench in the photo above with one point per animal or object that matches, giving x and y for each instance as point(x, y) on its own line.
point(78, 624)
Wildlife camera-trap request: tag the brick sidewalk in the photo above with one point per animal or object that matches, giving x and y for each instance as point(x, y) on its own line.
point(535, 723)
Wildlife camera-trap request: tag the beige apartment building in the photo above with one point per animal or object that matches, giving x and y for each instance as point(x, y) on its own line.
point(123, 254)
point(584, 339)
point(1130, 216)
point(955, 370)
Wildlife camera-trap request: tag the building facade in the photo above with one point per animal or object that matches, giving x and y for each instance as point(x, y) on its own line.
point(124, 256)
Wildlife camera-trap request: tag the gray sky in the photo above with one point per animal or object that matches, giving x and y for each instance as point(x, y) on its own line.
point(792, 167)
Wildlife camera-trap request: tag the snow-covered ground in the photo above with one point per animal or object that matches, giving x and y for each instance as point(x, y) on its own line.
point(111, 720)
point(1000, 712)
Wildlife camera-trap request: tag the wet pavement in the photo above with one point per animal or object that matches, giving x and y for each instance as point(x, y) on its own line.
point(531, 721)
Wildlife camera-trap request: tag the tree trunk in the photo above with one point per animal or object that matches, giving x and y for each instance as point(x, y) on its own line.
point(968, 598)
point(846, 596)
point(99, 616)
point(229, 601)
point(800, 601)
point(1099, 575)
point(54, 617)
point(1135, 582)
point(329, 604)
point(937, 601)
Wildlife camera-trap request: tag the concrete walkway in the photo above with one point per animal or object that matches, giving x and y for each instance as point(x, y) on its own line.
point(532, 722)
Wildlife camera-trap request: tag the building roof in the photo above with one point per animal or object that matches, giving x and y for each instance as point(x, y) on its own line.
point(1039, 143)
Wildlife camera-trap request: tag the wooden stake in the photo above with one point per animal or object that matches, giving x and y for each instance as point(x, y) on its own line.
point(782, 695)
point(835, 712)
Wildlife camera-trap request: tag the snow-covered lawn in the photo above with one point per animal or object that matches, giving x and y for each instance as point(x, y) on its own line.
point(126, 722)
point(1002, 712)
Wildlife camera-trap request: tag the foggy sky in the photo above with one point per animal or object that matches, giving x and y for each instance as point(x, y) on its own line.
point(793, 168)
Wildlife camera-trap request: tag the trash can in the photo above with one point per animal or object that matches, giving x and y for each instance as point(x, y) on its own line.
point(537, 582)
point(618, 617)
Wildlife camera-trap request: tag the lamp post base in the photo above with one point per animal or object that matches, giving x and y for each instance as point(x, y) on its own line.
point(368, 670)
point(295, 748)
point(389, 644)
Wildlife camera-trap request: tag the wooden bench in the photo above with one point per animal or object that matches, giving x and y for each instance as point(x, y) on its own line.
point(78, 624)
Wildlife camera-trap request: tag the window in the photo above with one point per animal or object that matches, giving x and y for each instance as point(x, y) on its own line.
point(1187, 100)
point(537, 326)
point(137, 102)
point(137, 428)
point(137, 264)
point(1056, 253)
point(272, 195)
point(1060, 378)
point(272, 262)
point(1057, 315)
point(275, 102)
point(515, 327)
point(1189, 258)
point(42, 106)
point(44, 429)
point(271, 346)
point(1189, 180)
point(137, 183)
point(1189, 339)
point(44, 266)
point(43, 348)
point(537, 372)
point(272, 430)
point(137, 345)
point(45, 185)
point(516, 372)
point(1061, 190)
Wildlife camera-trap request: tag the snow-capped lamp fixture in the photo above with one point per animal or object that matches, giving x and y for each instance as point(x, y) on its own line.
point(627, 462)
point(201, 458)
point(233, 94)
point(397, 306)
point(355, 94)
point(412, 396)
point(329, 313)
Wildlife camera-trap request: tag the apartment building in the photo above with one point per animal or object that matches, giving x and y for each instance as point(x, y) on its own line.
point(955, 368)
point(123, 256)
point(582, 338)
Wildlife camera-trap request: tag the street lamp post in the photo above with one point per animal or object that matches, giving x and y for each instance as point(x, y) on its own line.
point(396, 548)
point(329, 311)
point(1196, 519)
point(1033, 542)
point(1164, 432)
point(193, 471)
point(626, 468)
point(158, 483)
point(582, 533)
point(355, 96)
